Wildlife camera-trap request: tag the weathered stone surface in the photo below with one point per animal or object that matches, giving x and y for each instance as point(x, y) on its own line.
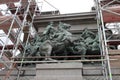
point(59, 71)
point(99, 78)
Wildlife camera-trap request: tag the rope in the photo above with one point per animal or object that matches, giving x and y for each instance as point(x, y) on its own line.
point(51, 5)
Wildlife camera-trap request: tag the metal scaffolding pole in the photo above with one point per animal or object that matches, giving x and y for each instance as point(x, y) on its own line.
point(8, 34)
point(102, 36)
point(22, 20)
point(30, 25)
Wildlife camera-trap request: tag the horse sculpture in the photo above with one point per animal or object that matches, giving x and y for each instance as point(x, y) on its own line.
point(59, 42)
point(79, 47)
point(91, 41)
point(46, 49)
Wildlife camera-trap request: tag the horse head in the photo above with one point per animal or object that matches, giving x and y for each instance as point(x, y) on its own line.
point(64, 26)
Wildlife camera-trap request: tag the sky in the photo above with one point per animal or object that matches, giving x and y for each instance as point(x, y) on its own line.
point(68, 6)
point(64, 6)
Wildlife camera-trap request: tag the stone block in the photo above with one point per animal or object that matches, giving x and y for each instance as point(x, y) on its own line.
point(59, 71)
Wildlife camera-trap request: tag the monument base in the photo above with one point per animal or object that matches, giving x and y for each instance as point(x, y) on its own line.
point(59, 71)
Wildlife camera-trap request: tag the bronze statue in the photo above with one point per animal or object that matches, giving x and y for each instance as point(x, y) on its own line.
point(58, 42)
point(62, 32)
point(79, 47)
point(49, 31)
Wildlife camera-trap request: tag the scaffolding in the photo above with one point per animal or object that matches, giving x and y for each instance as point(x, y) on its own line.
point(108, 17)
point(16, 21)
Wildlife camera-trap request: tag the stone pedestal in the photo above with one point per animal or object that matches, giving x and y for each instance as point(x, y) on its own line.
point(59, 71)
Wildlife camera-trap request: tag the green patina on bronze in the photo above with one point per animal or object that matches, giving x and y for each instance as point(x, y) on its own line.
point(59, 42)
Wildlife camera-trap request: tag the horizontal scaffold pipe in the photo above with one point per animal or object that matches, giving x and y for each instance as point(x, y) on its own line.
point(94, 56)
point(10, 1)
point(57, 61)
point(9, 47)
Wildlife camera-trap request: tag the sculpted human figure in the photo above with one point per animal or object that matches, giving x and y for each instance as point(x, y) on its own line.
point(59, 42)
point(62, 32)
point(89, 37)
point(95, 45)
point(34, 48)
point(79, 47)
point(87, 33)
point(49, 31)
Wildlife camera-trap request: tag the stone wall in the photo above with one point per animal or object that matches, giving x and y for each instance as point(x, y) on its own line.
point(85, 71)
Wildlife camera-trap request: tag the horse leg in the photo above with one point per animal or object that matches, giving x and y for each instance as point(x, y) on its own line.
point(83, 54)
point(65, 55)
point(48, 54)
